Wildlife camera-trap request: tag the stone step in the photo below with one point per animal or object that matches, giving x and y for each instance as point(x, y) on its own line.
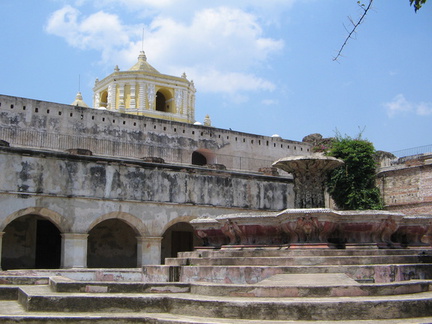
point(63, 284)
point(292, 285)
point(8, 292)
point(23, 280)
point(11, 312)
point(284, 252)
point(252, 274)
point(9, 285)
point(303, 289)
point(42, 299)
point(41, 276)
point(297, 260)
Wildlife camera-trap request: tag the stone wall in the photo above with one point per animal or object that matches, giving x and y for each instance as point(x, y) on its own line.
point(407, 186)
point(78, 194)
point(28, 173)
point(40, 124)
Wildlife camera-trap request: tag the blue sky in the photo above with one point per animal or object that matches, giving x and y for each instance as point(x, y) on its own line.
point(262, 67)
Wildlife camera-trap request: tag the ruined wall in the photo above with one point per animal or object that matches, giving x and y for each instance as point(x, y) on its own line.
point(407, 187)
point(84, 196)
point(82, 188)
point(39, 124)
point(64, 175)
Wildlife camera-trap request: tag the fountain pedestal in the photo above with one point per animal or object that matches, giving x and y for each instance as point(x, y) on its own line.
point(309, 177)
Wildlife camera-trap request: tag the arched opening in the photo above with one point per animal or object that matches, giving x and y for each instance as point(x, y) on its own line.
point(31, 242)
point(178, 238)
point(103, 99)
point(198, 159)
point(160, 102)
point(203, 157)
point(164, 101)
point(112, 244)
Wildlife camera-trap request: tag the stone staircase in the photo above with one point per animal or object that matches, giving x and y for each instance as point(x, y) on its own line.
point(232, 285)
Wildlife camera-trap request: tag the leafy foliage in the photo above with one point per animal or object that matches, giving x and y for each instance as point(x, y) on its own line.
point(417, 4)
point(352, 186)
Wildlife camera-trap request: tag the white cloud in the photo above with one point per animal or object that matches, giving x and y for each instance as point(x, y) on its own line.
point(228, 39)
point(400, 105)
point(220, 48)
point(100, 31)
point(212, 80)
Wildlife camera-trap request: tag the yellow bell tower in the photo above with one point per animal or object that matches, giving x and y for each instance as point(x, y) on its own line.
point(142, 90)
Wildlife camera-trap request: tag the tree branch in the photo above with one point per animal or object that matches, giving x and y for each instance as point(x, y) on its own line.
point(354, 28)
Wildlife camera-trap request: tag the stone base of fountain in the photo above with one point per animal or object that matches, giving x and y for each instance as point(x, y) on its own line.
point(315, 228)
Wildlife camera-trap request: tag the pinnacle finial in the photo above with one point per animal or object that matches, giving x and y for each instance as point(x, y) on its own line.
point(142, 56)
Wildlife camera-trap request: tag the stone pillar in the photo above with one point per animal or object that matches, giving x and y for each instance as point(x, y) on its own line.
point(151, 96)
point(96, 100)
point(141, 97)
point(1, 245)
point(121, 104)
point(149, 250)
point(132, 103)
point(74, 250)
point(111, 99)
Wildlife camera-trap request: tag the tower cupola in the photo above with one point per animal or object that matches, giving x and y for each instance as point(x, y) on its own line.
point(143, 90)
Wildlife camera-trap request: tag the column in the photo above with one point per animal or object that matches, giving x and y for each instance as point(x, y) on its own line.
point(148, 250)
point(1, 245)
point(121, 104)
point(132, 103)
point(151, 96)
point(111, 100)
point(141, 96)
point(96, 101)
point(74, 250)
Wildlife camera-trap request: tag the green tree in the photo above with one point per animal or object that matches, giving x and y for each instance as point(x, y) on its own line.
point(352, 186)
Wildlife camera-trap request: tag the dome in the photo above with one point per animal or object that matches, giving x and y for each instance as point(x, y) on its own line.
point(79, 101)
point(142, 64)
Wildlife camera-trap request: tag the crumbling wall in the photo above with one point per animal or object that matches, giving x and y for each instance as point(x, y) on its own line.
point(29, 173)
point(407, 187)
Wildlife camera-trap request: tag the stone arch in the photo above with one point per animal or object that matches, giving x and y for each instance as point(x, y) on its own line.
point(113, 241)
point(178, 236)
point(203, 157)
point(103, 99)
point(58, 220)
point(165, 101)
point(131, 220)
point(31, 241)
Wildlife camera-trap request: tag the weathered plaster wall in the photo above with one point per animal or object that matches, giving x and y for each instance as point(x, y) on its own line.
point(39, 124)
point(78, 193)
point(407, 188)
point(91, 177)
point(81, 189)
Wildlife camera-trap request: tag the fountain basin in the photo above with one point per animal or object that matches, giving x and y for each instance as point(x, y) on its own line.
point(333, 228)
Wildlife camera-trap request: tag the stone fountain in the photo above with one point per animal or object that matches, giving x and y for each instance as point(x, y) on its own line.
point(310, 224)
point(309, 177)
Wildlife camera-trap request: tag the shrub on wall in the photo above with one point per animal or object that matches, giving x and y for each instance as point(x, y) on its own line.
point(352, 186)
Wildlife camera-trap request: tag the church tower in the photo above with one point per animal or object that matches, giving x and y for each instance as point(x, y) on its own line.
point(142, 90)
